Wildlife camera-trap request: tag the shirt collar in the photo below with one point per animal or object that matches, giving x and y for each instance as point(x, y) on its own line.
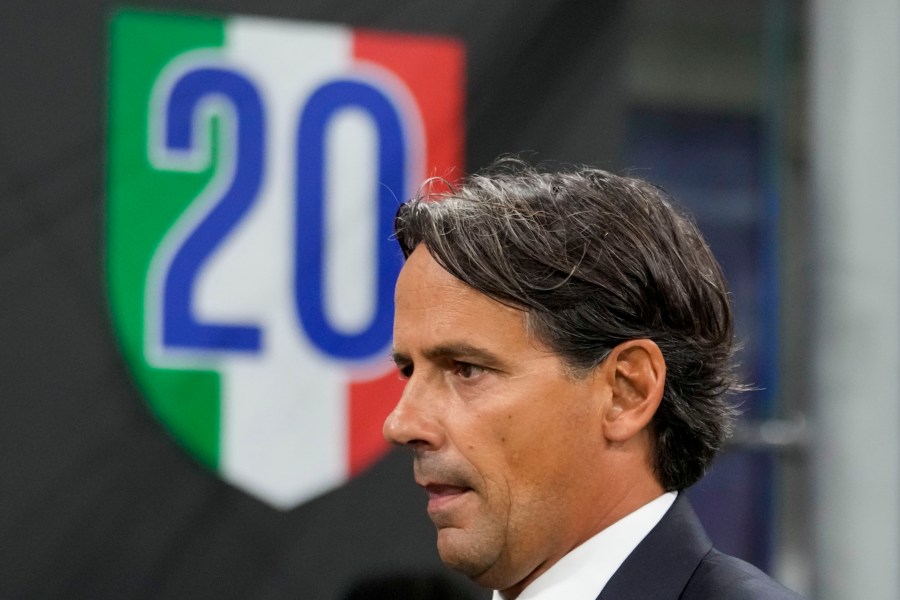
point(583, 573)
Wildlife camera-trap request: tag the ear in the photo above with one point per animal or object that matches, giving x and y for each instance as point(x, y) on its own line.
point(636, 373)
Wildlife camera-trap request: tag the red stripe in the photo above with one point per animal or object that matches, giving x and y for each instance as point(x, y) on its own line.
point(370, 404)
point(433, 69)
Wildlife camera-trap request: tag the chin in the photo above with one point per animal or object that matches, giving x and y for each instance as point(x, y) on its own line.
point(463, 554)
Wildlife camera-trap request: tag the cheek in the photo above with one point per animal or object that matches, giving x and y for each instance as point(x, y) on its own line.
point(493, 449)
point(525, 447)
point(546, 447)
point(522, 454)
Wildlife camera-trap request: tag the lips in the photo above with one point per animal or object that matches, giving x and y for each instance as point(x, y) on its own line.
point(442, 496)
point(446, 484)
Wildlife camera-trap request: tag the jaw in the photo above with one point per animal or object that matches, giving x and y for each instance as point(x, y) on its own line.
point(510, 579)
point(463, 551)
point(483, 555)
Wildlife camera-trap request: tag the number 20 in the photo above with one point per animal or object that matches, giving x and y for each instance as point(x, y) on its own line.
point(180, 329)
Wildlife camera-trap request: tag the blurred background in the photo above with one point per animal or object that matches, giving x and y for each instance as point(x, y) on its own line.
point(158, 441)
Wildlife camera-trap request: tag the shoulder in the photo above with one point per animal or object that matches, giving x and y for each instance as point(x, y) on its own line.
point(721, 576)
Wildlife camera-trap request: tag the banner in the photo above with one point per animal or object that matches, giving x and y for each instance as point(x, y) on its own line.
point(255, 169)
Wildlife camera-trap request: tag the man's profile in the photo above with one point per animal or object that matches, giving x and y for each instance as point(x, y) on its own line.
point(567, 343)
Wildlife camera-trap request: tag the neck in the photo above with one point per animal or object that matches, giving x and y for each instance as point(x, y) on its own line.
point(622, 505)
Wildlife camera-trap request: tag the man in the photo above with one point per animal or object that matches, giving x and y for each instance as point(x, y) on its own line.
point(567, 343)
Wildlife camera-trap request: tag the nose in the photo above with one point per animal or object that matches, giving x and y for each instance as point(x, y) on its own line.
point(413, 422)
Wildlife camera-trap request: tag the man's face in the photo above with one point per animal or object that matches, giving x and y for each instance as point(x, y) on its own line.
point(507, 443)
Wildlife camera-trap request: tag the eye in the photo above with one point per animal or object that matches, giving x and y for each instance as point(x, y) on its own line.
point(406, 370)
point(466, 370)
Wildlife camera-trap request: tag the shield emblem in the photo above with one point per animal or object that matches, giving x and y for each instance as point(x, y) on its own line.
point(255, 166)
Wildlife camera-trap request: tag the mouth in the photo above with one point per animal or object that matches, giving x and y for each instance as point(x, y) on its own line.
point(442, 496)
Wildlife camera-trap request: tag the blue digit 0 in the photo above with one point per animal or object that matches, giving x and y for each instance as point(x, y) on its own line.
point(181, 330)
point(322, 106)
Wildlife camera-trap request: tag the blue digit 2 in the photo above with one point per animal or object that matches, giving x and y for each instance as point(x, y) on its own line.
point(322, 106)
point(181, 330)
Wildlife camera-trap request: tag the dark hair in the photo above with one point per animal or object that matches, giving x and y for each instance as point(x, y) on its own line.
point(596, 259)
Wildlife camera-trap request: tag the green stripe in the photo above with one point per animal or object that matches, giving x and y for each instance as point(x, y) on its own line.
point(143, 204)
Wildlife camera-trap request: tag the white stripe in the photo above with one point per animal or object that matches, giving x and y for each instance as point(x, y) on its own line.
point(351, 273)
point(284, 411)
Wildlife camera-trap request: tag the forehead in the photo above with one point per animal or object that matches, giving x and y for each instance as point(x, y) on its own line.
point(434, 307)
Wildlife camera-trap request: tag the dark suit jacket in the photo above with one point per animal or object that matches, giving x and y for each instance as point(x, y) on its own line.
point(676, 561)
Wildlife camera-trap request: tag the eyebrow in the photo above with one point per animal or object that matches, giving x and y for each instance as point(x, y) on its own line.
point(457, 351)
